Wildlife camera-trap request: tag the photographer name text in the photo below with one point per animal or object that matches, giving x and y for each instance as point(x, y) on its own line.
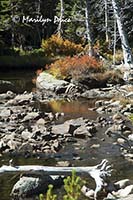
point(43, 21)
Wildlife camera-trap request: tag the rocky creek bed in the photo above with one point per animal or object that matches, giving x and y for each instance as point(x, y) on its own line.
point(28, 131)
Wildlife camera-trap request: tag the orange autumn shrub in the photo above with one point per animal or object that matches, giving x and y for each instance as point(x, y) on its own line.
point(56, 45)
point(75, 67)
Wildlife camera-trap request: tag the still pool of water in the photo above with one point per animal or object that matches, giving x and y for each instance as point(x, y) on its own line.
point(22, 81)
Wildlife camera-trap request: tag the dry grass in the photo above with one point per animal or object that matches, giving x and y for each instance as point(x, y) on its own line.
point(111, 76)
point(123, 101)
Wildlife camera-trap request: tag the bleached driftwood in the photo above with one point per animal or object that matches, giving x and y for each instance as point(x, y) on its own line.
point(99, 172)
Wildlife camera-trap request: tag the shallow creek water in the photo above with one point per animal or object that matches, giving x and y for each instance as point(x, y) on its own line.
point(88, 156)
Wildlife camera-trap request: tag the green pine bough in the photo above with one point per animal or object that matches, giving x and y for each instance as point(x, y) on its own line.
point(49, 194)
point(131, 118)
point(72, 186)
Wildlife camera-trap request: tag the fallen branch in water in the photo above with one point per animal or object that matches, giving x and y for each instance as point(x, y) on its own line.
point(99, 172)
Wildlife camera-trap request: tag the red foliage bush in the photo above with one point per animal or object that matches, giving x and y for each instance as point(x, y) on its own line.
point(74, 67)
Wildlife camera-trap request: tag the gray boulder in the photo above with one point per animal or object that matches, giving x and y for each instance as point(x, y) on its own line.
point(82, 132)
point(62, 129)
point(31, 116)
point(7, 95)
point(68, 127)
point(46, 81)
point(31, 184)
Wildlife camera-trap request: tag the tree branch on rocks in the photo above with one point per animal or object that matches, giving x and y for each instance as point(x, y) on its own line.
point(99, 172)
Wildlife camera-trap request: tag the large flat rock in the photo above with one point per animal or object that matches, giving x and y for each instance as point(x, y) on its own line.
point(48, 82)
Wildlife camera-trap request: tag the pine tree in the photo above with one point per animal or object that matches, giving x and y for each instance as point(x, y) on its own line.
point(5, 21)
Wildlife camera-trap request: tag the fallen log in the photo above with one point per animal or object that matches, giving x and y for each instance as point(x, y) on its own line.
point(99, 172)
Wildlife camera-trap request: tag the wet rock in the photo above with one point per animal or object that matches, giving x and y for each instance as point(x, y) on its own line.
point(68, 127)
point(47, 136)
point(58, 115)
point(130, 137)
point(6, 112)
point(114, 130)
point(11, 128)
point(31, 116)
point(37, 135)
point(92, 130)
point(3, 146)
point(110, 197)
point(127, 114)
point(125, 128)
point(20, 99)
point(26, 147)
point(38, 129)
point(100, 119)
point(60, 129)
point(56, 145)
point(50, 116)
point(12, 136)
point(6, 96)
point(91, 94)
point(87, 192)
point(77, 158)
point(24, 97)
point(98, 93)
point(101, 110)
point(118, 118)
point(13, 145)
point(115, 104)
point(70, 139)
point(82, 132)
point(26, 134)
point(129, 197)
point(11, 102)
point(120, 141)
point(20, 129)
point(41, 122)
point(122, 183)
point(77, 122)
point(94, 146)
point(129, 156)
point(125, 192)
point(99, 103)
point(127, 133)
point(129, 107)
point(46, 147)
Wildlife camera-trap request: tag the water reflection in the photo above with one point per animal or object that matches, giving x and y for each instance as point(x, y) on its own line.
point(72, 109)
point(21, 80)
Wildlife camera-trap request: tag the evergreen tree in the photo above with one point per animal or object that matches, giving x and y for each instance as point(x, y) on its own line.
point(5, 21)
point(101, 21)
